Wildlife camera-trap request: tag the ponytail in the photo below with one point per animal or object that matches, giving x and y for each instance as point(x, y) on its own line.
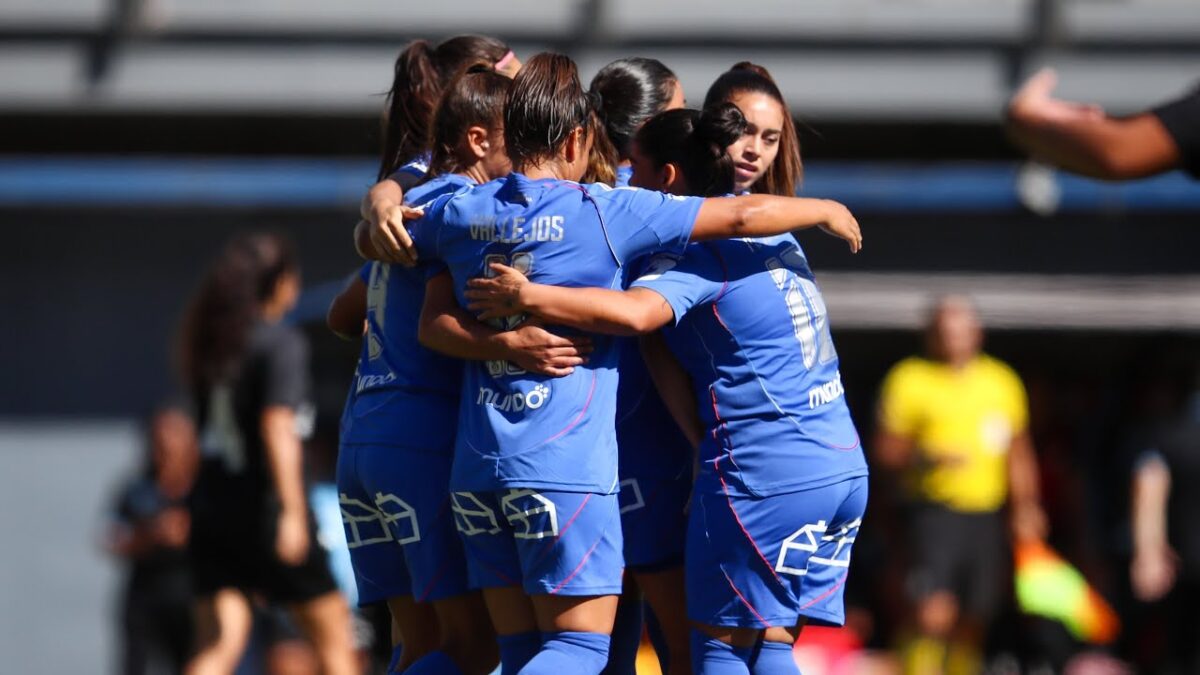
point(695, 142)
point(419, 76)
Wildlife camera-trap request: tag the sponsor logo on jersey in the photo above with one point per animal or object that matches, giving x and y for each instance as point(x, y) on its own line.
point(515, 401)
point(826, 393)
point(372, 381)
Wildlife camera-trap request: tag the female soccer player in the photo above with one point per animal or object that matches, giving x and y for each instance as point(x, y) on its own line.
point(421, 74)
point(534, 475)
point(782, 484)
point(632, 91)
point(252, 531)
point(767, 156)
point(654, 459)
point(398, 428)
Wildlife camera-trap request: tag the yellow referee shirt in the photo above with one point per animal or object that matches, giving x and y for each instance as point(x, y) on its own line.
point(962, 424)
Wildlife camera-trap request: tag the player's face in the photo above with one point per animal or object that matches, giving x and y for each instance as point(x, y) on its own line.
point(754, 152)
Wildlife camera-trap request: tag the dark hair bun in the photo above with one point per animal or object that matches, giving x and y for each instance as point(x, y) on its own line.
point(720, 125)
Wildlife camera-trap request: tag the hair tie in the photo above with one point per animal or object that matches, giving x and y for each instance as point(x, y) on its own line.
point(504, 61)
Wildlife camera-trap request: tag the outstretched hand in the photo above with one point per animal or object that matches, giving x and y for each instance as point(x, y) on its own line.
point(842, 224)
point(1035, 103)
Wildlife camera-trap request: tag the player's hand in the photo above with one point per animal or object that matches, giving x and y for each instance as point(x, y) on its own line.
point(496, 296)
point(1034, 103)
point(291, 538)
point(537, 350)
point(842, 224)
point(390, 237)
point(1152, 573)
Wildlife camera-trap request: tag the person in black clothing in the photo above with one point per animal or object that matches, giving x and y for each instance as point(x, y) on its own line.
point(1166, 538)
point(150, 529)
point(252, 532)
point(1082, 139)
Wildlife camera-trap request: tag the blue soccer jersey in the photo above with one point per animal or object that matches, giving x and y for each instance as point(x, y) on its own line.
point(624, 173)
point(403, 393)
point(763, 365)
point(517, 429)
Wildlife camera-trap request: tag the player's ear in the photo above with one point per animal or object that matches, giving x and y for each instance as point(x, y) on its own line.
point(478, 141)
point(669, 175)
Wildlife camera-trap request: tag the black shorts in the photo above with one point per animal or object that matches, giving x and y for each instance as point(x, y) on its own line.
point(232, 545)
point(966, 554)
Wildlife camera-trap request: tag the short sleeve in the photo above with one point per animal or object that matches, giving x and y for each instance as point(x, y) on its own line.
point(899, 401)
point(643, 222)
point(1181, 118)
point(426, 231)
point(683, 282)
point(287, 371)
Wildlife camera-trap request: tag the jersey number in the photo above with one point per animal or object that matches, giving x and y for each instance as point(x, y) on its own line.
point(809, 322)
point(523, 263)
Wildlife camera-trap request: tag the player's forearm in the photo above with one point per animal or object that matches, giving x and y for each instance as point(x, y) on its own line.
point(760, 216)
point(1104, 147)
point(382, 196)
point(674, 386)
point(596, 310)
point(285, 457)
point(348, 311)
point(362, 242)
point(892, 451)
point(1151, 488)
point(454, 332)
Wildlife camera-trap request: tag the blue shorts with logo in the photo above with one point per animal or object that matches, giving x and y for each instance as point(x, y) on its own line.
point(399, 526)
point(547, 542)
point(654, 521)
point(760, 562)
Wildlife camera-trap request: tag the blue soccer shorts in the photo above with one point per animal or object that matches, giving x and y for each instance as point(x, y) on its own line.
point(399, 526)
point(760, 562)
point(547, 542)
point(654, 521)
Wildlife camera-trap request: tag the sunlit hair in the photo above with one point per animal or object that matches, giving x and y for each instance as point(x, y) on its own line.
point(545, 104)
point(785, 173)
point(420, 73)
point(217, 322)
point(602, 159)
point(631, 91)
point(695, 141)
point(474, 98)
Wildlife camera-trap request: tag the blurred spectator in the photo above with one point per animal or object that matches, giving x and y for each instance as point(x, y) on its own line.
point(150, 530)
point(1082, 139)
point(1166, 538)
point(954, 426)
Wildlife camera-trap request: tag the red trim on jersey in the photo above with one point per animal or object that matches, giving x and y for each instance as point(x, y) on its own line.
point(745, 602)
point(763, 558)
point(827, 593)
point(578, 418)
point(563, 530)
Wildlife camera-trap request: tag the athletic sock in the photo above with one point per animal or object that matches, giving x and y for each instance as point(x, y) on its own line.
point(434, 663)
point(516, 650)
point(773, 658)
point(626, 636)
point(569, 652)
point(713, 657)
point(396, 652)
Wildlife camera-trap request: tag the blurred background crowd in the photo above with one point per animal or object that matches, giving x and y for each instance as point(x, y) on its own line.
point(138, 135)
